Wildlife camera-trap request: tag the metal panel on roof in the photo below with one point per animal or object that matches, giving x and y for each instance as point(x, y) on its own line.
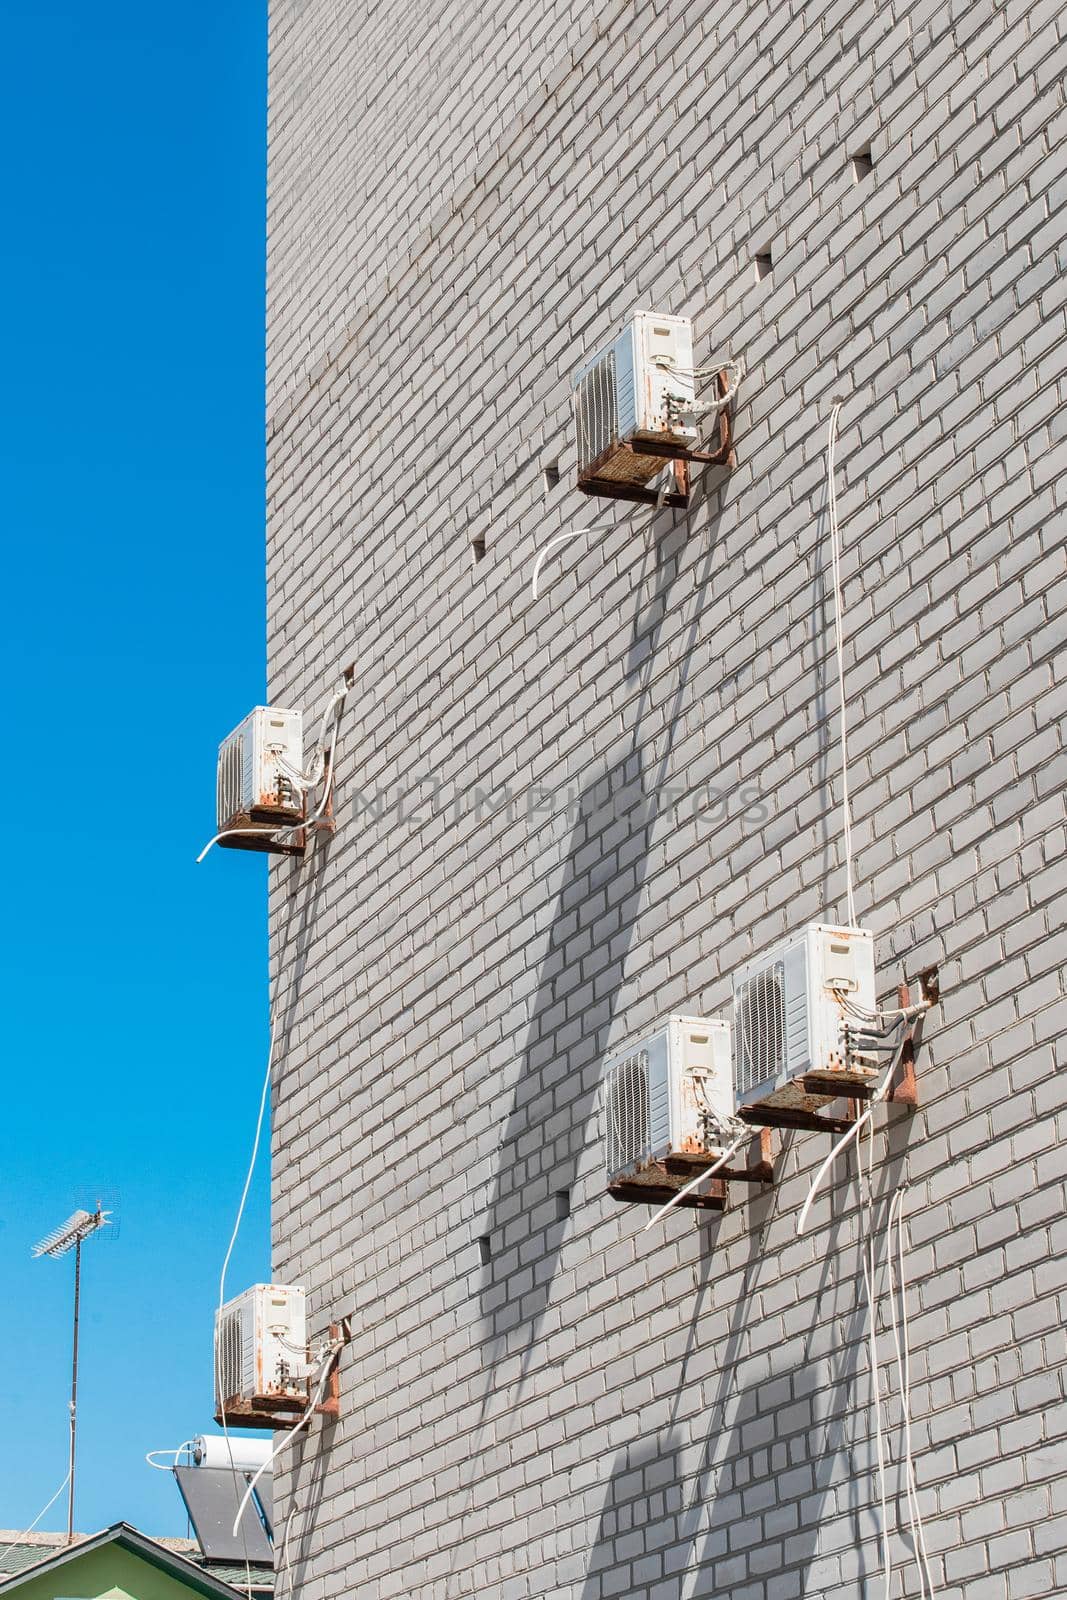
point(212, 1496)
point(264, 1493)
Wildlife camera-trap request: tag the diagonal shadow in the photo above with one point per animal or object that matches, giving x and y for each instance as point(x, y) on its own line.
point(761, 1489)
point(580, 977)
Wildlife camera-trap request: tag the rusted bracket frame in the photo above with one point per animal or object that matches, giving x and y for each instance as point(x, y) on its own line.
point(903, 1091)
point(713, 1198)
point(723, 457)
point(617, 489)
point(758, 1167)
point(340, 1333)
point(262, 843)
point(785, 1117)
point(268, 1411)
point(327, 822)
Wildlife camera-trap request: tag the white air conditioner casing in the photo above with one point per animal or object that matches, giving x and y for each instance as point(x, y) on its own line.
point(787, 1020)
point(653, 1093)
point(634, 390)
point(261, 1340)
point(252, 784)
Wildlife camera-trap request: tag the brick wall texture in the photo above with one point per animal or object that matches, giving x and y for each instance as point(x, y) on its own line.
point(561, 819)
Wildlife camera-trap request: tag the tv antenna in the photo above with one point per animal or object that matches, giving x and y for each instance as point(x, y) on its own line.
point(71, 1235)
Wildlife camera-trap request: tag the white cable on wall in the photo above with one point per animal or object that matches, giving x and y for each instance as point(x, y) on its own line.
point(835, 561)
point(902, 1350)
point(287, 1438)
point(867, 1244)
point(847, 1138)
point(553, 543)
point(286, 1563)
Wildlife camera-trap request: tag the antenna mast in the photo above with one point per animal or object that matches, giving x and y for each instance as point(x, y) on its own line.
point(71, 1235)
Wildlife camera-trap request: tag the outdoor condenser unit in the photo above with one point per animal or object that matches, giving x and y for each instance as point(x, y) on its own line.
point(253, 784)
point(261, 1346)
point(634, 390)
point(656, 1095)
point(788, 1021)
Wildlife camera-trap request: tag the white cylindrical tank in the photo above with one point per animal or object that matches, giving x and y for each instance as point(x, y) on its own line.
point(246, 1455)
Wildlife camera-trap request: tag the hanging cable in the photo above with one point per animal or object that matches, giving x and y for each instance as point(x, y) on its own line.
point(311, 779)
point(902, 1350)
point(286, 1563)
point(867, 1246)
point(287, 1438)
point(694, 1183)
point(328, 758)
point(558, 539)
point(169, 1466)
point(835, 561)
point(9, 1544)
point(229, 833)
point(264, 1092)
point(844, 1142)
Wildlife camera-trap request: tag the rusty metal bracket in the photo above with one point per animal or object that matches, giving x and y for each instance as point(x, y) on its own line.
point(904, 1091)
point(725, 456)
point(851, 1086)
point(765, 1116)
point(758, 1164)
point(264, 843)
point(621, 489)
point(666, 450)
point(266, 1411)
point(663, 1184)
point(340, 1334)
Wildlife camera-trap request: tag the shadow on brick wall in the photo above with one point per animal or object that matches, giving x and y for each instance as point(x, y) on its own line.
point(582, 972)
point(739, 1495)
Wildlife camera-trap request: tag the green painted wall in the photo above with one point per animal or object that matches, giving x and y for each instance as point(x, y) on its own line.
point(107, 1574)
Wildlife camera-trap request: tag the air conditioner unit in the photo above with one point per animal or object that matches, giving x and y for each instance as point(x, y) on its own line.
point(261, 1343)
point(788, 1019)
point(657, 1096)
point(254, 785)
point(634, 390)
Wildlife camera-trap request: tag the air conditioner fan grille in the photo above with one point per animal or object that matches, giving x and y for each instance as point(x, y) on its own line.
point(628, 1112)
point(229, 1376)
point(231, 758)
point(596, 411)
point(760, 1024)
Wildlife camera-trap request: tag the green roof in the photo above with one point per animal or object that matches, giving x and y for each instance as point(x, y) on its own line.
point(23, 1558)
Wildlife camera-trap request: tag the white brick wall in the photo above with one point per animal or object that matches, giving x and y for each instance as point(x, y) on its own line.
point(462, 202)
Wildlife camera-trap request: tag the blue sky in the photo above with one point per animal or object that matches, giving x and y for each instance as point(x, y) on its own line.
point(131, 277)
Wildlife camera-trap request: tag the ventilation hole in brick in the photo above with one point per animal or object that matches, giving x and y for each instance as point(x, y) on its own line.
point(477, 550)
point(563, 1204)
point(551, 476)
point(485, 1250)
point(862, 164)
point(764, 264)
